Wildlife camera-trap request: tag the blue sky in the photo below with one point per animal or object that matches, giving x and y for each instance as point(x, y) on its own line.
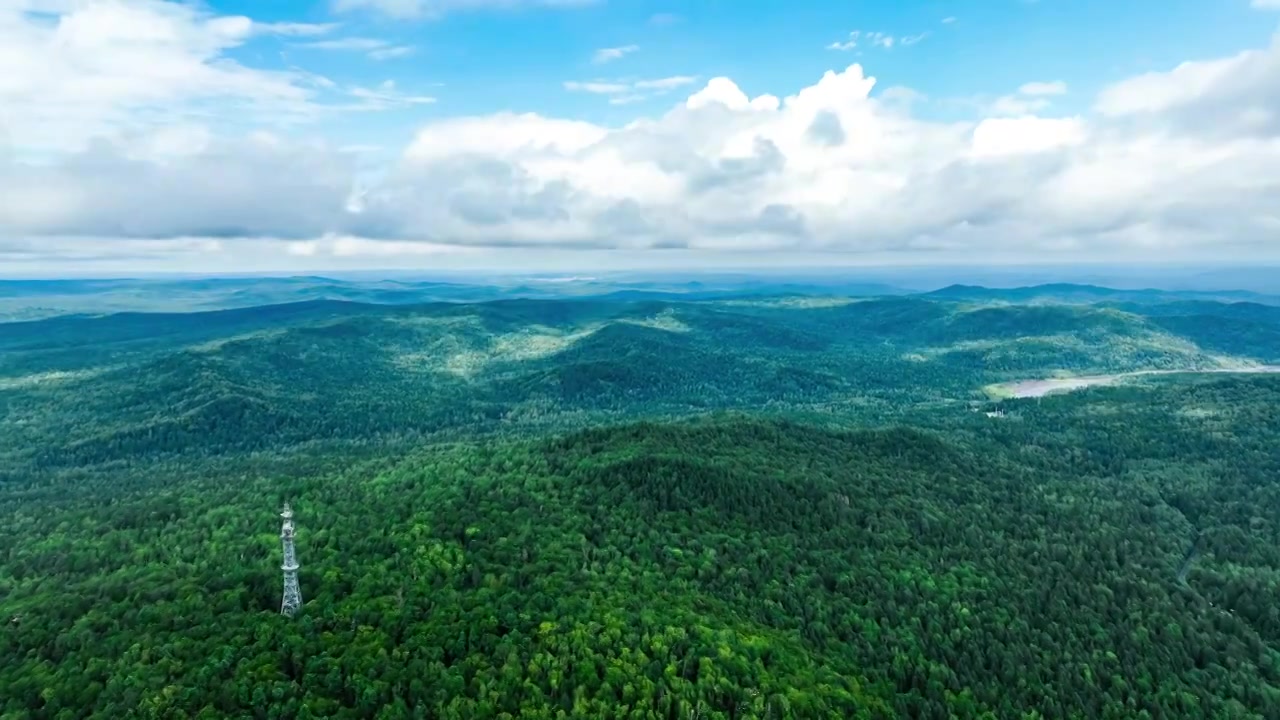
point(484, 61)
point(490, 131)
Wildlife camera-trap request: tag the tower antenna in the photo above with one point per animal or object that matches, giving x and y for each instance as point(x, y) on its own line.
point(292, 595)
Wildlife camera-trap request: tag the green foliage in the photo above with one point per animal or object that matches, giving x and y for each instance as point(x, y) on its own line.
point(505, 510)
point(77, 390)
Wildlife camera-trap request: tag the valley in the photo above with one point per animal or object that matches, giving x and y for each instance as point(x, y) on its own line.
point(1040, 388)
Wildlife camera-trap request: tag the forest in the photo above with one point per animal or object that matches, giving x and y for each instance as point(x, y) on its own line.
point(767, 507)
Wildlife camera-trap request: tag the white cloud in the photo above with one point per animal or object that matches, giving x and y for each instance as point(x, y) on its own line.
point(347, 43)
point(598, 87)
point(17, 252)
point(858, 38)
point(1018, 105)
point(898, 95)
point(1057, 87)
point(1266, 4)
point(374, 48)
point(79, 70)
point(414, 9)
point(349, 246)
point(948, 20)
point(1184, 163)
point(831, 168)
point(1232, 96)
point(1025, 135)
point(295, 29)
point(386, 96)
point(604, 55)
point(178, 184)
point(724, 92)
point(501, 136)
point(103, 67)
point(1030, 98)
point(391, 52)
point(666, 83)
point(625, 92)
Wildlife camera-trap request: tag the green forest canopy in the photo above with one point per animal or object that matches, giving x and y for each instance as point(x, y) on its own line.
point(611, 509)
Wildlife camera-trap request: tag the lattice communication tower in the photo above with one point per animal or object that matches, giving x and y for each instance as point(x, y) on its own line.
point(292, 595)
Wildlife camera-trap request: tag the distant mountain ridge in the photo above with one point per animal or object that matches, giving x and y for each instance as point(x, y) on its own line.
point(31, 299)
point(34, 299)
point(434, 367)
point(1073, 293)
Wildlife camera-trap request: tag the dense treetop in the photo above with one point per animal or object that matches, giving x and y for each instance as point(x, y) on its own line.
point(648, 509)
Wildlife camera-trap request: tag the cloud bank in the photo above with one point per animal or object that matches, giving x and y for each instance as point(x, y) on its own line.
point(1181, 163)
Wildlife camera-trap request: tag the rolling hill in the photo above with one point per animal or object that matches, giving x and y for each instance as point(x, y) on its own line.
point(636, 506)
point(258, 377)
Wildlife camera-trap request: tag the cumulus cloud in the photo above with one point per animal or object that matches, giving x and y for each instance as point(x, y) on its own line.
point(833, 168)
point(342, 246)
point(1030, 98)
point(1231, 97)
point(181, 182)
point(1180, 163)
point(70, 71)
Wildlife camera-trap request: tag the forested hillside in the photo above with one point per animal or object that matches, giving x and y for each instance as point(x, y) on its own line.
point(77, 390)
point(748, 508)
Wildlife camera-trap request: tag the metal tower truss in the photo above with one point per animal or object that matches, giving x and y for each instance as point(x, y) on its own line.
point(292, 595)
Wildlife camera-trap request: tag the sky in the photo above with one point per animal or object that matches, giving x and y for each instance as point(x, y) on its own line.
point(304, 135)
